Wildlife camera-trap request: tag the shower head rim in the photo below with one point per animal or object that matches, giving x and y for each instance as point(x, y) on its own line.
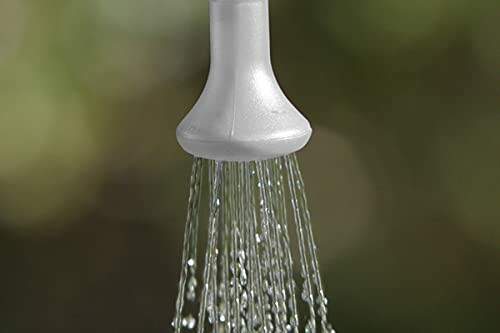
point(244, 150)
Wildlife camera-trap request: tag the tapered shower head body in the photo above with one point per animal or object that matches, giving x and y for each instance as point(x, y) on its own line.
point(242, 114)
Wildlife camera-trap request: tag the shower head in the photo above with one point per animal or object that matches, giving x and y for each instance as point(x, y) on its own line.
point(242, 114)
point(244, 130)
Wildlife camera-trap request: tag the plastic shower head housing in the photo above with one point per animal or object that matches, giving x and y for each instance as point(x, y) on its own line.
point(242, 114)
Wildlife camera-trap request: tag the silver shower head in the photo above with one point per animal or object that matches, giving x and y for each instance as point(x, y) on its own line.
point(239, 130)
point(242, 114)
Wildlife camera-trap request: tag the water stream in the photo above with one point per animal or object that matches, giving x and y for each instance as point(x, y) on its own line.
point(249, 283)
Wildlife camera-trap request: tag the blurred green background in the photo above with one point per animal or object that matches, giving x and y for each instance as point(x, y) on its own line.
point(403, 171)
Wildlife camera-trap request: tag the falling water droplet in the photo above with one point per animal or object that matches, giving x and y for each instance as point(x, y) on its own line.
point(330, 329)
point(257, 238)
point(189, 322)
point(244, 299)
point(243, 278)
point(191, 262)
point(191, 289)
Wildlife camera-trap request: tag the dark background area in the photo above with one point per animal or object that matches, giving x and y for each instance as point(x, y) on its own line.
point(402, 172)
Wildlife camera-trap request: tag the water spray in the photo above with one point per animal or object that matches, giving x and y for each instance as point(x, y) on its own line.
point(244, 133)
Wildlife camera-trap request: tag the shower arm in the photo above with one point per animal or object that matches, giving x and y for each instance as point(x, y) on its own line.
point(240, 38)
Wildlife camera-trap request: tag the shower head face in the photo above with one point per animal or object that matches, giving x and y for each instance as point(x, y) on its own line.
point(242, 114)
